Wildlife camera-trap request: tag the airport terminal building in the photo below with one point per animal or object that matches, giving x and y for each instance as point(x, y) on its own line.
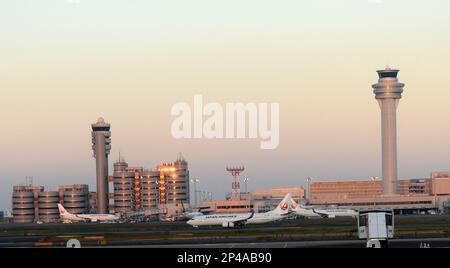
point(413, 195)
point(32, 203)
point(161, 189)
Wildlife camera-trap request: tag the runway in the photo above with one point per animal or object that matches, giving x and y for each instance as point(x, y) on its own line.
point(395, 243)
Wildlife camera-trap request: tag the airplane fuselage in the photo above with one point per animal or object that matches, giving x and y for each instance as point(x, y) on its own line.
point(325, 212)
point(305, 212)
point(89, 217)
point(338, 212)
point(220, 219)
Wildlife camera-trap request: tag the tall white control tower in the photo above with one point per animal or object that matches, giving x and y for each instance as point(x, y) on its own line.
point(388, 92)
point(101, 145)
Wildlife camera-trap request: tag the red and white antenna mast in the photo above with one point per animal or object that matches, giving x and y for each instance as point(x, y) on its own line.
point(236, 184)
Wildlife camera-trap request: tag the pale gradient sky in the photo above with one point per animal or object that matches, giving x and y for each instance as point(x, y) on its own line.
point(63, 64)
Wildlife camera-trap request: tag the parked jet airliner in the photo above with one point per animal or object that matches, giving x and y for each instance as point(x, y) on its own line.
point(69, 217)
point(301, 210)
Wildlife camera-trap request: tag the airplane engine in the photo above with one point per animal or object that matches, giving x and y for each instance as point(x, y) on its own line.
point(227, 224)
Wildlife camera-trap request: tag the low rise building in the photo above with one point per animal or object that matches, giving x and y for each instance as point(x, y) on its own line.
point(227, 206)
point(413, 195)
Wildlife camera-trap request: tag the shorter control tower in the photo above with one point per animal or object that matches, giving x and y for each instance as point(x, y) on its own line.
point(388, 92)
point(101, 145)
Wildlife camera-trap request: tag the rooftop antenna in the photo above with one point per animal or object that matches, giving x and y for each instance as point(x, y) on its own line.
point(180, 156)
point(29, 180)
point(235, 185)
point(121, 158)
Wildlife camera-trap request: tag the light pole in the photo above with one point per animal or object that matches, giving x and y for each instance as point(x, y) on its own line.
point(309, 188)
point(195, 189)
point(246, 180)
point(375, 195)
point(159, 193)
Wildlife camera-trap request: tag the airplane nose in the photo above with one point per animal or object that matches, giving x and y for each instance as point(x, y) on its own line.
point(189, 222)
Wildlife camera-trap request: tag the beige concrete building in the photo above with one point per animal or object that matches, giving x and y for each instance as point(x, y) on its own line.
point(323, 192)
point(228, 206)
point(440, 189)
point(413, 194)
point(399, 202)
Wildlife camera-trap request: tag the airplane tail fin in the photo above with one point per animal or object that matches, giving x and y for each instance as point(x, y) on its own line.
point(294, 204)
point(62, 210)
point(285, 206)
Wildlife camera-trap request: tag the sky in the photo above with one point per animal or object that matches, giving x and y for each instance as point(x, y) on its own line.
point(64, 63)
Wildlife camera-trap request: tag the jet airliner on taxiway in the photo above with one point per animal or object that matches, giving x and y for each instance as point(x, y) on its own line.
point(283, 210)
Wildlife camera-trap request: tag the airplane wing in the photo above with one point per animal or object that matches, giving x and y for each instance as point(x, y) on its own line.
point(242, 221)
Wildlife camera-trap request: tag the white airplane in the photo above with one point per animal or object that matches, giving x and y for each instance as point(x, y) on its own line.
point(188, 215)
point(335, 212)
point(322, 212)
point(300, 210)
point(283, 210)
point(69, 217)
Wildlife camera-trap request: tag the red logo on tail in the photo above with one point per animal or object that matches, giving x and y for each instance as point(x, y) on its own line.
point(284, 206)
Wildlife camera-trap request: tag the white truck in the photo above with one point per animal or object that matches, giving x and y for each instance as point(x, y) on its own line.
point(376, 226)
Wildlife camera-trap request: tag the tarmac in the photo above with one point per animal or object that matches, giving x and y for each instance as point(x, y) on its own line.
point(410, 231)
